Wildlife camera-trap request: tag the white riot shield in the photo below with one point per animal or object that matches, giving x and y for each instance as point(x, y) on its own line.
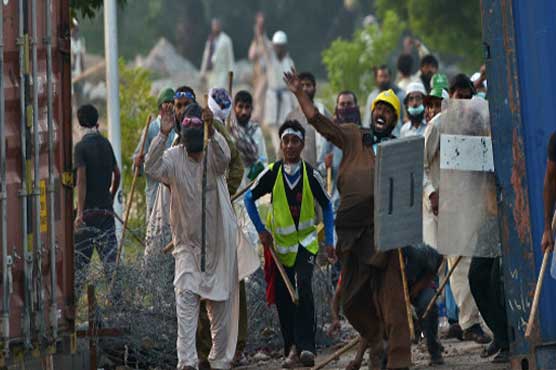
point(398, 215)
point(468, 211)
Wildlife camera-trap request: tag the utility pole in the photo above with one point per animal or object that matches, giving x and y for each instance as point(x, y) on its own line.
point(112, 93)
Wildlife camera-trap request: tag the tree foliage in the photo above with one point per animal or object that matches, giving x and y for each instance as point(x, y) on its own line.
point(349, 63)
point(450, 28)
point(88, 8)
point(136, 102)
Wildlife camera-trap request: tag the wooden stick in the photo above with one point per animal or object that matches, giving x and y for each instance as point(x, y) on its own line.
point(337, 354)
point(291, 290)
point(242, 191)
point(132, 191)
point(441, 287)
point(537, 296)
point(538, 287)
point(89, 71)
point(329, 180)
point(406, 296)
point(170, 246)
point(204, 193)
point(230, 83)
point(92, 308)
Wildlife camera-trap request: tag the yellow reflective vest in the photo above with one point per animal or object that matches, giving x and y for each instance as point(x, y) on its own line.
point(288, 237)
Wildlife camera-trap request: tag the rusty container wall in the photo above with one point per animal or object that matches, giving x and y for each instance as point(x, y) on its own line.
point(62, 168)
point(519, 39)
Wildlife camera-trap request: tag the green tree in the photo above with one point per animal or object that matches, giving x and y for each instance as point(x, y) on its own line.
point(88, 8)
point(349, 63)
point(450, 28)
point(136, 102)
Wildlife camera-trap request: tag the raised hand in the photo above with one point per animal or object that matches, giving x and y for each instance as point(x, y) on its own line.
point(547, 243)
point(167, 119)
point(292, 81)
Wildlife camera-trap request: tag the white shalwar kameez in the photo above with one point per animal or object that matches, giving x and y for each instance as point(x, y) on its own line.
point(218, 285)
point(221, 61)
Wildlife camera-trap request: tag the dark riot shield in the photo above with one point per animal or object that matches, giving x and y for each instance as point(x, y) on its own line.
point(398, 215)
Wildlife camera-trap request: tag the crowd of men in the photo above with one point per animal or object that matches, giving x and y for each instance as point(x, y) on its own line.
point(196, 158)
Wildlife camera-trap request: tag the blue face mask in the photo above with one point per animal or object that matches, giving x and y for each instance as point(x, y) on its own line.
point(416, 111)
point(482, 95)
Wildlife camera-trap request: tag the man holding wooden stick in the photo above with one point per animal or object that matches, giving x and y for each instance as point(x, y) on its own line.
point(165, 99)
point(291, 234)
point(371, 290)
point(181, 169)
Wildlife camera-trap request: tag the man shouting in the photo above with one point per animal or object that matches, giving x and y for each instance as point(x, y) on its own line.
point(371, 290)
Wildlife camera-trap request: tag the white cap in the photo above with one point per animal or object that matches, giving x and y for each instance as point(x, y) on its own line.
point(280, 38)
point(416, 86)
point(476, 76)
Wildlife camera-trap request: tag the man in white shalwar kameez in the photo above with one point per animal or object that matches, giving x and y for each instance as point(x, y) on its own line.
point(279, 101)
point(181, 169)
point(218, 57)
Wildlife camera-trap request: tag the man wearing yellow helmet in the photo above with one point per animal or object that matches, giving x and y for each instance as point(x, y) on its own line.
point(369, 277)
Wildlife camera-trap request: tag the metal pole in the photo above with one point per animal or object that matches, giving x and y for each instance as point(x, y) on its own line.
point(24, 87)
point(50, 187)
point(6, 259)
point(112, 91)
point(36, 173)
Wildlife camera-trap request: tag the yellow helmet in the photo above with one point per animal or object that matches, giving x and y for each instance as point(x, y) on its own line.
point(388, 97)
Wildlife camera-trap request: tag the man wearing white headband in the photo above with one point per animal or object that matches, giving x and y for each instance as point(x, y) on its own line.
point(292, 233)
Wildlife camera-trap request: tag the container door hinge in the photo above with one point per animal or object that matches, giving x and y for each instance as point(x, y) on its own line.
point(67, 179)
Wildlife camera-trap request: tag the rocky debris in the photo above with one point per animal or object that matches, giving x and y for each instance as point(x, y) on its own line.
point(164, 60)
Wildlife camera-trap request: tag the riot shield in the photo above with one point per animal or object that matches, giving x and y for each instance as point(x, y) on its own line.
point(398, 216)
point(468, 211)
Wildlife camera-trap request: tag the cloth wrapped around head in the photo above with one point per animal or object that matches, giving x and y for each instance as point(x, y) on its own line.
point(220, 103)
point(192, 128)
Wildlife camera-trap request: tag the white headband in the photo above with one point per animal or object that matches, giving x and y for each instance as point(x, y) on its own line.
point(291, 131)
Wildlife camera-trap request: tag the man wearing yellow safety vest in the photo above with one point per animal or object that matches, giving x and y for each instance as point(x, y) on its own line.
point(291, 230)
point(371, 291)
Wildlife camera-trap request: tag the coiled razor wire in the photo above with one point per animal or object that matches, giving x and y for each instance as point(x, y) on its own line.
point(141, 305)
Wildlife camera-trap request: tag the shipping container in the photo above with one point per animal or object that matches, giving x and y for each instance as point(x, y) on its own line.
point(519, 41)
point(38, 309)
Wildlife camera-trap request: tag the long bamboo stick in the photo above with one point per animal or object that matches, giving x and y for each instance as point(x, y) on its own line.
point(538, 287)
point(132, 191)
point(441, 287)
point(406, 296)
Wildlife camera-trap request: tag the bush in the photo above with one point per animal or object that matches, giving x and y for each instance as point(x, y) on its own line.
point(136, 102)
point(349, 63)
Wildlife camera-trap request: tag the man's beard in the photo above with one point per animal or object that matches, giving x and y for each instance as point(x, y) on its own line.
point(381, 128)
point(243, 120)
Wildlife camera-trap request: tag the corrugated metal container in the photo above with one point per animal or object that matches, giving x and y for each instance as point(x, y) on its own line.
point(519, 39)
point(41, 311)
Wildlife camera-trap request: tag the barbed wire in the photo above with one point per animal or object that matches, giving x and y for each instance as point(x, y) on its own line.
point(141, 304)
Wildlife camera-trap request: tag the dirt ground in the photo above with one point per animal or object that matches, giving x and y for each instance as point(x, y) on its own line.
point(457, 355)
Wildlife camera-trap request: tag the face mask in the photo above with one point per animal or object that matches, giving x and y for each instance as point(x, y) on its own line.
point(291, 168)
point(348, 115)
point(384, 86)
point(192, 138)
point(482, 94)
point(416, 111)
